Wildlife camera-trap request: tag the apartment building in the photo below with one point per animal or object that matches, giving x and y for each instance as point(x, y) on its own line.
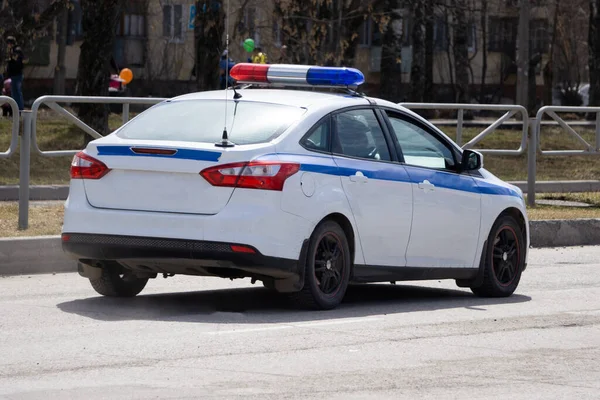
point(155, 38)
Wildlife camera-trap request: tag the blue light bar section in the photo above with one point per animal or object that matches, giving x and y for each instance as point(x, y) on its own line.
point(331, 76)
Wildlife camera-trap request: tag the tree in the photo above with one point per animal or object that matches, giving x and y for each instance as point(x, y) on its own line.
point(324, 31)
point(417, 70)
point(391, 52)
point(429, 95)
point(594, 52)
point(27, 20)
point(461, 49)
point(99, 23)
point(209, 30)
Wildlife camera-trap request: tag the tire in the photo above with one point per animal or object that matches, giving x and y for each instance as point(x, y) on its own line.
point(504, 259)
point(327, 269)
point(118, 282)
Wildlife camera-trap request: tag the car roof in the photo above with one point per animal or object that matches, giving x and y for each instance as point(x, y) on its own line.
point(296, 98)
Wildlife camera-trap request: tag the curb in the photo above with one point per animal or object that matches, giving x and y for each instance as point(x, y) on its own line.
point(34, 255)
point(561, 233)
point(37, 192)
point(44, 255)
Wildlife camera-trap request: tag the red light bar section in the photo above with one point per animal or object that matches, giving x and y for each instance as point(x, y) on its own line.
point(245, 72)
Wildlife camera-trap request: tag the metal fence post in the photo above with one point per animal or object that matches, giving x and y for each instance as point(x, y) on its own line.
point(25, 156)
point(534, 127)
point(459, 126)
point(125, 113)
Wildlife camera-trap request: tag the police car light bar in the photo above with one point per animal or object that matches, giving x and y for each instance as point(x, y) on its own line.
point(296, 75)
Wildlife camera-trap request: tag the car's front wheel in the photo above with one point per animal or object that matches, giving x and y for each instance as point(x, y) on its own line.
point(118, 282)
point(504, 259)
point(327, 269)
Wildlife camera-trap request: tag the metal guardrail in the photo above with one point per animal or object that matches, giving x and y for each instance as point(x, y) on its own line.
point(52, 103)
point(531, 126)
point(552, 111)
point(30, 135)
point(14, 137)
point(511, 110)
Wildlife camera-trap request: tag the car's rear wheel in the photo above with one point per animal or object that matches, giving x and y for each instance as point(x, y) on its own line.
point(118, 282)
point(505, 259)
point(327, 269)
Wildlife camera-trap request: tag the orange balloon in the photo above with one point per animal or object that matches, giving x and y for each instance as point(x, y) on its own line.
point(126, 75)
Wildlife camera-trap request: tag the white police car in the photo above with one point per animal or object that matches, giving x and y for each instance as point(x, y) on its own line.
point(305, 191)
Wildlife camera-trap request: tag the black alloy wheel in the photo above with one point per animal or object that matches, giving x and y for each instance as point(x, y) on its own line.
point(503, 259)
point(327, 269)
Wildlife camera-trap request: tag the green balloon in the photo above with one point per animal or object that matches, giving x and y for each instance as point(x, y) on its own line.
point(249, 45)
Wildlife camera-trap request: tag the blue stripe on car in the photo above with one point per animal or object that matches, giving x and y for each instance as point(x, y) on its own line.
point(391, 172)
point(182, 154)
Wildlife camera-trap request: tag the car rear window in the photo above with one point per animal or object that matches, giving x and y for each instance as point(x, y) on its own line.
point(203, 121)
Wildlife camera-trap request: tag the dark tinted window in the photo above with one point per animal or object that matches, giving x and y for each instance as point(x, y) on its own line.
point(358, 134)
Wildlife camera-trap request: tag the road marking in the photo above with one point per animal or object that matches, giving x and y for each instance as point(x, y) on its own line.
point(297, 325)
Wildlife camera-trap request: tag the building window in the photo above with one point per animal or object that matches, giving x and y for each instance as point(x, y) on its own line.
point(364, 34)
point(538, 36)
point(369, 34)
point(472, 37)
point(173, 22)
point(440, 34)
point(132, 26)
point(277, 41)
point(503, 34)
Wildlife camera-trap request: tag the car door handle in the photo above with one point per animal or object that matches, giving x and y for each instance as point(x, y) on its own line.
point(359, 177)
point(427, 186)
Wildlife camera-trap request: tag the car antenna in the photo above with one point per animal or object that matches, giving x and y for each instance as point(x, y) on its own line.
point(225, 139)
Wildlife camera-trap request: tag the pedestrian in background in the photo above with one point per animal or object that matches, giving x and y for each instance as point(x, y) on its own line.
point(14, 70)
point(259, 57)
point(225, 65)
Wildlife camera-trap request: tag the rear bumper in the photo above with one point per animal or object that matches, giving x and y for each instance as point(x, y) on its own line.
point(164, 255)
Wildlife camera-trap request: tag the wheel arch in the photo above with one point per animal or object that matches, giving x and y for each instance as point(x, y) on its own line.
point(517, 215)
point(347, 227)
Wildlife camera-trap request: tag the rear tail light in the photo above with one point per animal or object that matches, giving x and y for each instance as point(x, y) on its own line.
point(85, 167)
point(266, 175)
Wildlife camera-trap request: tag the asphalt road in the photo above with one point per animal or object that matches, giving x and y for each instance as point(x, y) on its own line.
point(189, 337)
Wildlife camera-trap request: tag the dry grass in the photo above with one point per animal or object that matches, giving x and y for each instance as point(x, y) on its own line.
point(550, 212)
point(44, 219)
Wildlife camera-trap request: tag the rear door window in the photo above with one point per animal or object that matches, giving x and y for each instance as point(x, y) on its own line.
point(203, 121)
point(358, 134)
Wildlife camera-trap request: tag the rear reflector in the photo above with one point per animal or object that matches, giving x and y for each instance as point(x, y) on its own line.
point(65, 237)
point(84, 166)
point(266, 175)
point(242, 249)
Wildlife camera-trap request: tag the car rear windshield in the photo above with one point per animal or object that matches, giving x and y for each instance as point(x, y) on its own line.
point(203, 121)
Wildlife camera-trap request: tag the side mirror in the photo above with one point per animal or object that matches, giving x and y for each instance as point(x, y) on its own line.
point(471, 160)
